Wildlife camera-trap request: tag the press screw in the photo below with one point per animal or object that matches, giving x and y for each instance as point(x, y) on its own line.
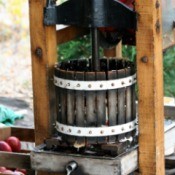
point(144, 59)
point(38, 52)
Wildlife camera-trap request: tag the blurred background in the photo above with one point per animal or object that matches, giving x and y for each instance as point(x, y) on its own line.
point(15, 62)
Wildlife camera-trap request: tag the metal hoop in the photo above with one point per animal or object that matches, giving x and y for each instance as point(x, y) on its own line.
point(94, 85)
point(96, 131)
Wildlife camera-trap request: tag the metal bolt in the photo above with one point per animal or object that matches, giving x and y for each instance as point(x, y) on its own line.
point(144, 59)
point(38, 52)
point(101, 131)
point(78, 85)
point(90, 132)
point(68, 84)
point(130, 81)
point(157, 26)
point(123, 82)
point(113, 130)
point(89, 85)
point(79, 131)
point(130, 126)
point(157, 4)
point(122, 129)
point(101, 85)
point(112, 84)
point(70, 130)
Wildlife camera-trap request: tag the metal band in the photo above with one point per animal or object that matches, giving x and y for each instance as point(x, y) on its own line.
point(95, 131)
point(95, 85)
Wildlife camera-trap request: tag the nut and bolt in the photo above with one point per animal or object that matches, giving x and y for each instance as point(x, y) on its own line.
point(39, 52)
point(144, 59)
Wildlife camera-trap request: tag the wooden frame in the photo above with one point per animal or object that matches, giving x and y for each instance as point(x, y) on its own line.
point(44, 42)
point(150, 87)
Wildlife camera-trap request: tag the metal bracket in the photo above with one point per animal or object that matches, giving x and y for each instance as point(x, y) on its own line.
point(91, 13)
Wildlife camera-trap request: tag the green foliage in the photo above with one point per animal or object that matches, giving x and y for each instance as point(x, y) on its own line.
point(81, 48)
point(169, 72)
point(129, 52)
point(76, 49)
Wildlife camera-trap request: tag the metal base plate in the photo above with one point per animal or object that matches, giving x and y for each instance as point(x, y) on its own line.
point(87, 165)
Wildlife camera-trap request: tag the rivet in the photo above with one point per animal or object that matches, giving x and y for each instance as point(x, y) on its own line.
point(68, 84)
point(113, 130)
point(70, 130)
point(55, 81)
point(79, 131)
point(112, 84)
point(122, 129)
point(130, 81)
point(101, 85)
point(61, 82)
point(101, 131)
point(123, 82)
point(89, 85)
point(62, 129)
point(144, 59)
point(78, 85)
point(130, 126)
point(90, 132)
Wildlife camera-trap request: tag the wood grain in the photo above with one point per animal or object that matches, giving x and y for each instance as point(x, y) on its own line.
point(69, 33)
point(150, 87)
point(15, 160)
point(24, 134)
point(43, 38)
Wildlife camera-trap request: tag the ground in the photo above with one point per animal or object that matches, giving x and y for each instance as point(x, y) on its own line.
point(15, 65)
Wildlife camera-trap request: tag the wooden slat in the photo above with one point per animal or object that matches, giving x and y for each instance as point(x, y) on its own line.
point(80, 108)
point(121, 102)
point(24, 134)
point(101, 106)
point(128, 100)
point(70, 106)
point(63, 104)
point(150, 88)
point(91, 116)
point(70, 33)
point(15, 160)
point(112, 105)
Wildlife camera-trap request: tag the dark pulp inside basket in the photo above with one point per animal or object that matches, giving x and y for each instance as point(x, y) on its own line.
point(86, 65)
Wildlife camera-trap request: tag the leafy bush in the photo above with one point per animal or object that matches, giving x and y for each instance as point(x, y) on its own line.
point(82, 48)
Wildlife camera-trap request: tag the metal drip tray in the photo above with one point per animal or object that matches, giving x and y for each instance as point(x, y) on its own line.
point(52, 161)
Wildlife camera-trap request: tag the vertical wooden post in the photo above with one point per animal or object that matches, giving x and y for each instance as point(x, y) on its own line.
point(150, 84)
point(43, 51)
point(114, 52)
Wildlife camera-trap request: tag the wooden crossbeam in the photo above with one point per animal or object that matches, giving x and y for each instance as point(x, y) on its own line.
point(24, 134)
point(69, 33)
point(150, 87)
point(14, 160)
